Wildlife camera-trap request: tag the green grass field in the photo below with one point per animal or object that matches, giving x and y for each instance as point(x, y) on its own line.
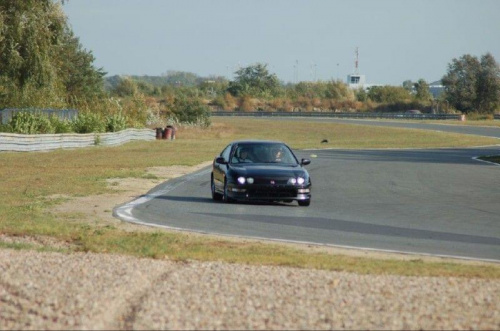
point(29, 181)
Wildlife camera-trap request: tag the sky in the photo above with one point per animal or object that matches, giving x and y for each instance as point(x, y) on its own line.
point(298, 39)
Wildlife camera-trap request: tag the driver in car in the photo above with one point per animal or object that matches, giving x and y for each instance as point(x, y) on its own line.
point(278, 154)
point(243, 158)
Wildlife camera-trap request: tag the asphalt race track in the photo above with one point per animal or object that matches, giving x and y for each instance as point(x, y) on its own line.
point(438, 202)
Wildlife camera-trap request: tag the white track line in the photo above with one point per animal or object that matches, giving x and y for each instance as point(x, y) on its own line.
point(124, 212)
point(477, 158)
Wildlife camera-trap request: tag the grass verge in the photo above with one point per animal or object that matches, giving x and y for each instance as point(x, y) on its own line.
point(491, 123)
point(33, 182)
point(494, 158)
point(22, 246)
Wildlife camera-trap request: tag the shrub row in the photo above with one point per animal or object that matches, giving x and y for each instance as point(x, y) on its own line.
point(247, 104)
point(40, 123)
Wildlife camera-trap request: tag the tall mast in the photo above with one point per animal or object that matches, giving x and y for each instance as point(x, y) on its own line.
point(356, 62)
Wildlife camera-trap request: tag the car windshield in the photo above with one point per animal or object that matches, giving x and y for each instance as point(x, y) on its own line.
point(263, 153)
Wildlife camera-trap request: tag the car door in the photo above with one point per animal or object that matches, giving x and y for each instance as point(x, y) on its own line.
point(220, 169)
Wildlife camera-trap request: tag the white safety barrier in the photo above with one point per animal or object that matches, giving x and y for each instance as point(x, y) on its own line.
point(44, 142)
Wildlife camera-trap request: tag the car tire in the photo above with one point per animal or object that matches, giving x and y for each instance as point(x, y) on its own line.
point(225, 196)
point(216, 196)
point(304, 203)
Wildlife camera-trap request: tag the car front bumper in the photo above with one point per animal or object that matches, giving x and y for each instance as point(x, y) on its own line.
point(269, 192)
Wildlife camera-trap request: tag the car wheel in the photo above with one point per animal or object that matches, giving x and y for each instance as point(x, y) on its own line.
point(304, 203)
point(225, 196)
point(216, 196)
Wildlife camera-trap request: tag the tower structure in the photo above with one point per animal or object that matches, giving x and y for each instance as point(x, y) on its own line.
point(356, 62)
point(356, 80)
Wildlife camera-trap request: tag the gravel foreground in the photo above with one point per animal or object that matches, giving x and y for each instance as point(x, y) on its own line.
point(99, 291)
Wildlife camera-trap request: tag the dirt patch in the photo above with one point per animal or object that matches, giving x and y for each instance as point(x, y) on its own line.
point(99, 208)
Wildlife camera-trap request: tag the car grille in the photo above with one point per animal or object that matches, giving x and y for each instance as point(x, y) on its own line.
point(267, 181)
point(272, 192)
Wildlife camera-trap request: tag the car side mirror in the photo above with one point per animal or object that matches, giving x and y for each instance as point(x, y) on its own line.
point(305, 162)
point(220, 160)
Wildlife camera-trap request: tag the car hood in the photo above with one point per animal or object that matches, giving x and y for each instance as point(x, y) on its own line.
point(268, 170)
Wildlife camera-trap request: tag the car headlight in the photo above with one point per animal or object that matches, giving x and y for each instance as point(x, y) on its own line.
point(300, 180)
point(241, 180)
point(250, 180)
point(292, 181)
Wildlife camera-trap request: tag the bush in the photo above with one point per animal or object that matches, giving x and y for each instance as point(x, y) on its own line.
point(402, 106)
point(229, 101)
point(328, 104)
point(191, 111)
point(31, 123)
point(219, 103)
point(125, 87)
point(361, 95)
point(88, 123)
point(389, 94)
point(223, 102)
point(136, 110)
point(5, 128)
point(60, 125)
point(246, 103)
point(304, 104)
point(282, 105)
point(116, 122)
point(475, 116)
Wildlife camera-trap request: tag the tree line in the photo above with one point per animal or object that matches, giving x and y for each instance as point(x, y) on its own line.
point(473, 84)
point(470, 85)
point(44, 65)
point(42, 62)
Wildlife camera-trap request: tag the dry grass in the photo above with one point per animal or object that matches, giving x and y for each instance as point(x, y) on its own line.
point(31, 180)
point(303, 134)
point(490, 123)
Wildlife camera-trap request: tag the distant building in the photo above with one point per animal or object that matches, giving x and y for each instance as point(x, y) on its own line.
point(356, 81)
point(436, 88)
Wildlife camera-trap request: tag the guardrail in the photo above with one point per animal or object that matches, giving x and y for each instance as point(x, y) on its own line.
point(341, 115)
point(44, 142)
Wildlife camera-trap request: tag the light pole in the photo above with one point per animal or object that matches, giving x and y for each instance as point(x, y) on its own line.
point(297, 70)
point(337, 71)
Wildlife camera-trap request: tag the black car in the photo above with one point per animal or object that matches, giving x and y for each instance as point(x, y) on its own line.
point(260, 171)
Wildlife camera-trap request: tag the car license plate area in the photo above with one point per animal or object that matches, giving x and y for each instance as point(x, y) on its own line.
point(272, 192)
